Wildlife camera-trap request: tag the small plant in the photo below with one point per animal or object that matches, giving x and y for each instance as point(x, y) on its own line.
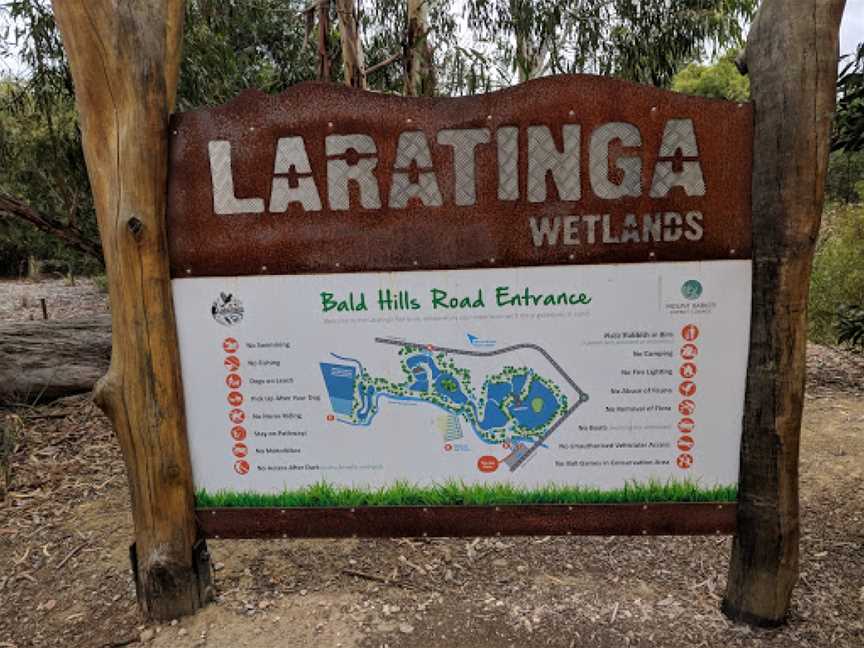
point(850, 325)
point(101, 281)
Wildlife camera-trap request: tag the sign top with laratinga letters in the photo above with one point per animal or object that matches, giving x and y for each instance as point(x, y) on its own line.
point(562, 170)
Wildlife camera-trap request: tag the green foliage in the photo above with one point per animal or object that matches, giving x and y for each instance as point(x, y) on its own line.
point(721, 80)
point(454, 493)
point(641, 40)
point(845, 181)
point(848, 132)
point(850, 325)
point(838, 270)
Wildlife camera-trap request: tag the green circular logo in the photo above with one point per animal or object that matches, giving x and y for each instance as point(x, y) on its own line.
point(691, 289)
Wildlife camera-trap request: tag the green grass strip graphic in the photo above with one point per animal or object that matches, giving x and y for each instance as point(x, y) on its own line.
point(458, 493)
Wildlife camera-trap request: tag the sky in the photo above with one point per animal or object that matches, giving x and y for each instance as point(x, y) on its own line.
point(852, 27)
point(851, 33)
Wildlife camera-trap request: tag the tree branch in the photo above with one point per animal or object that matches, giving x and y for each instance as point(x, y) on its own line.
point(13, 207)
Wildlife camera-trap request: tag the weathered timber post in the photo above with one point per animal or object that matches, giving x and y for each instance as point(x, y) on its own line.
point(125, 59)
point(791, 57)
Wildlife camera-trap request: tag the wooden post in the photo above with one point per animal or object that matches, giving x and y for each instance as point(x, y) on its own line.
point(791, 57)
point(125, 58)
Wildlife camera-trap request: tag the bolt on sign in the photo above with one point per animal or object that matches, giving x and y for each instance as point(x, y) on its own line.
point(521, 312)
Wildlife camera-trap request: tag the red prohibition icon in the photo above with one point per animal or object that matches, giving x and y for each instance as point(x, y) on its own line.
point(241, 466)
point(235, 398)
point(689, 351)
point(687, 370)
point(240, 450)
point(448, 447)
point(230, 345)
point(684, 460)
point(686, 425)
point(686, 443)
point(237, 416)
point(233, 380)
point(238, 433)
point(331, 418)
point(687, 388)
point(232, 363)
point(686, 407)
point(690, 332)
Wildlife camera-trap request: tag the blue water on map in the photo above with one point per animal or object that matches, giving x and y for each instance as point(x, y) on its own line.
point(503, 403)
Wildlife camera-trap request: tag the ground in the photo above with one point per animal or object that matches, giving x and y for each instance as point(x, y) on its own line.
point(65, 579)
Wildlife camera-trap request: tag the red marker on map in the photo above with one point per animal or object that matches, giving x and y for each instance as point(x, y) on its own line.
point(230, 345)
point(487, 464)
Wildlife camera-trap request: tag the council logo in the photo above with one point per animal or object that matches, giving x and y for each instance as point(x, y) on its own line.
point(691, 289)
point(227, 309)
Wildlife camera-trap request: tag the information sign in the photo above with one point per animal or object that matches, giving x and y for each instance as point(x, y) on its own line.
point(535, 302)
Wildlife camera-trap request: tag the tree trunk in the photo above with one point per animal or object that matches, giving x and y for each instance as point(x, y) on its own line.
point(419, 70)
point(791, 57)
point(353, 66)
point(42, 361)
point(125, 58)
point(323, 32)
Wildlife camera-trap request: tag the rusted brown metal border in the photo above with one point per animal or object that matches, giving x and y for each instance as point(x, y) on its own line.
point(703, 518)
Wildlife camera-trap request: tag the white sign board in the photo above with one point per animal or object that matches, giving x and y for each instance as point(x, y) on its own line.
point(539, 384)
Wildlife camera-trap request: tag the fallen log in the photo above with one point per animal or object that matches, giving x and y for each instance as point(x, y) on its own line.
point(41, 361)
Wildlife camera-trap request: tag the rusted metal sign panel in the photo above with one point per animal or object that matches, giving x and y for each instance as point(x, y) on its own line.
point(563, 170)
point(535, 299)
point(469, 521)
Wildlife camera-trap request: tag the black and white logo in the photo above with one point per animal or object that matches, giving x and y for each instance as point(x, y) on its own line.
point(227, 309)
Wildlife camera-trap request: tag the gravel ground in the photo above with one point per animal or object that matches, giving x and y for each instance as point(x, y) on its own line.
point(65, 581)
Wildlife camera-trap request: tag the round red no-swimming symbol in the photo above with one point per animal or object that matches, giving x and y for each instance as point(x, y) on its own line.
point(687, 388)
point(689, 351)
point(230, 345)
point(686, 407)
point(232, 363)
point(235, 398)
point(241, 466)
point(233, 380)
point(240, 450)
point(237, 416)
point(684, 460)
point(487, 464)
point(238, 433)
point(686, 443)
point(686, 425)
point(687, 370)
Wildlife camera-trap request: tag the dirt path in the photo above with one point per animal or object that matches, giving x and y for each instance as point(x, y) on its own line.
point(65, 580)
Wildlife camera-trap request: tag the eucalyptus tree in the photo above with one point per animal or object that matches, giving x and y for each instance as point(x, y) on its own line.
point(640, 40)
